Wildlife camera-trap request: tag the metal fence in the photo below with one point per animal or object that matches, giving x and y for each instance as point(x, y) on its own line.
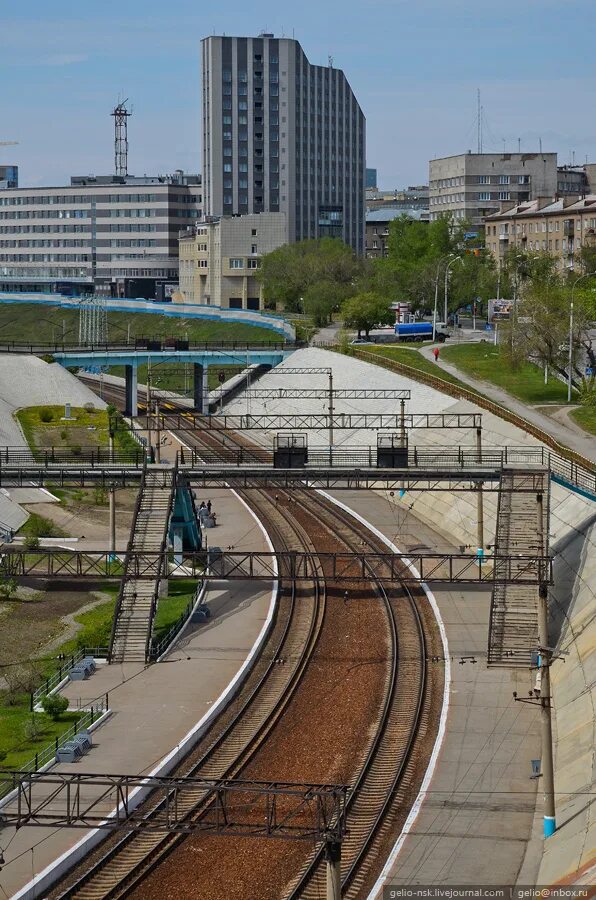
point(88, 456)
point(66, 664)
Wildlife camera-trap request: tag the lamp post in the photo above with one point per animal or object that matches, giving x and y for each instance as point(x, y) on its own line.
point(575, 283)
point(447, 267)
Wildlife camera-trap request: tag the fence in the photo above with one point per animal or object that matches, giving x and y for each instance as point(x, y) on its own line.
point(88, 716)
point(52, 681)
point(91, 456)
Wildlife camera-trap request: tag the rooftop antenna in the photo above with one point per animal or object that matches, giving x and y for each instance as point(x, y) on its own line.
point(519, 145)
point(573, 157)
point(121, 114)
point(330, 61)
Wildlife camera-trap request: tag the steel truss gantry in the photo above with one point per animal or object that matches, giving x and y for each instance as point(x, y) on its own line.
point(312, 422)
point(288, 810)
point(216, 564)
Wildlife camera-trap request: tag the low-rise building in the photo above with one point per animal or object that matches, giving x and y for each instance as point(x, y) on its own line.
point(413, 197)
point(114, 235)
point(377, 227)
point(220, 256)
point(560, 227)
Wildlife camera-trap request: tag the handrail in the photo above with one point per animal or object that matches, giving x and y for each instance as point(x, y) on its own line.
point(163, 556)
point(458, 392)
point(129, 548)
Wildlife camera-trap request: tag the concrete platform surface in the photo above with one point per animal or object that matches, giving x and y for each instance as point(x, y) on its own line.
point(481, 801)
point(154, 707)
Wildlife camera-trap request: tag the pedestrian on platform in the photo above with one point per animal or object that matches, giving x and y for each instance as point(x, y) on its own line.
point(209, 507)
point(202, 506)
point(346, 596)
point(436, 352)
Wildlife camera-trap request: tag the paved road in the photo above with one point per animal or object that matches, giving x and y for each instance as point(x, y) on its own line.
point(586, 445)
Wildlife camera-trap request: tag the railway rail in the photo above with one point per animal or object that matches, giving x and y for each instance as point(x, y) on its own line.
point(258, 707)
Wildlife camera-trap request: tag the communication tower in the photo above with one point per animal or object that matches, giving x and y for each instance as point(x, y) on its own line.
point(121, 115)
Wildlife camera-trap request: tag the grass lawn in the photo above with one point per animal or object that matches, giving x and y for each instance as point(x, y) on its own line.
point(14, 739)
point(411, 357)
point(44, 429)
point(40, 323)
point(170, 608)
point(486, 362)
point(585, 416)
point(39, 526)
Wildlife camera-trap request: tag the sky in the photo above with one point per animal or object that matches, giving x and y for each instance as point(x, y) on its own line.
point(414, 65)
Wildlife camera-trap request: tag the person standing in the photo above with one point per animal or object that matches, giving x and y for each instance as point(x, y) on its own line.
point(436, 352)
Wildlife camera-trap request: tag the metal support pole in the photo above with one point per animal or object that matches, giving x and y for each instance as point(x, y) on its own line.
point(157, 434)
point(570, 353)
point(479, 493)
point(112, 495)
point(111, 444)
point(131, 405)
point(331, 409)
point(333, 866)
point(544, 660)
point(402, 422)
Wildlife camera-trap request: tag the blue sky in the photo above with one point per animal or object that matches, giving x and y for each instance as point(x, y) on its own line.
point(415, 67)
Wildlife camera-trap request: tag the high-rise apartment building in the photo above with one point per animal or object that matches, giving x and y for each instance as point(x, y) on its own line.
point(473, 185)
point(282, 135)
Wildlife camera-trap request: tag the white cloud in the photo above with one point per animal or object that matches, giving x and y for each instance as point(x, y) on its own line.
point(65, 59)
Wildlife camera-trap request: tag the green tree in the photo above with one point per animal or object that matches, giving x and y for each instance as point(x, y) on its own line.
point(288, 272)
point(54, 705)
point(366, 310)
point(322, 299)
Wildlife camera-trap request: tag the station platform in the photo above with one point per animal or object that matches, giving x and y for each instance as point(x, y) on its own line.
point(480, 804)
point(153, 708)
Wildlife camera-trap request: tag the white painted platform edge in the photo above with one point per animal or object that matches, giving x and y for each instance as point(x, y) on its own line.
point(40, 883)
point(428, 775)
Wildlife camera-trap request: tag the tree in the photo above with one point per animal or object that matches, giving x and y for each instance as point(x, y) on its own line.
point(322, 299)
point(8, 587)
point(364, 311)
point(288, 272)
point(54, 705)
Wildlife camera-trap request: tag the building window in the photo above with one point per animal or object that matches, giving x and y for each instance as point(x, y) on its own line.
point(236, 263)
point(484, 179)
point(503, 179)
point(484, 195)
point(254, 263)
point(504, 195)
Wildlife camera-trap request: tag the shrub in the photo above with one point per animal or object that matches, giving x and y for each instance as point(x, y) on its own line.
point(100, 496)
point(64, 434)
point(89, 407)
point(46, 415)
point(33, 728)
point(31, 542)
point(76, 449)
point(47, 358)
point(8, 587)
point(54, 705)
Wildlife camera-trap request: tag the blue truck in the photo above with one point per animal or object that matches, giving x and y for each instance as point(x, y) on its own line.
point(420, 331)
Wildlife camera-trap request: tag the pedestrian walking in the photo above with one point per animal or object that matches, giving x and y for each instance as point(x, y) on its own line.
point(436, 352)
point(346, 596)
point(209, 507)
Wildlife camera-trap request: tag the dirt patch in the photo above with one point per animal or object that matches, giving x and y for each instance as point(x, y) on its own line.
point(82, 520)
point(38, 624)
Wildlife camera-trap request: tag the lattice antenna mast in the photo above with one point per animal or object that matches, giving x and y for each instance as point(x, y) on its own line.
point(121, 115)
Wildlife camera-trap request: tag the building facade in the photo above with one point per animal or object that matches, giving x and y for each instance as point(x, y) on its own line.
point(220, 257)
point(473, 185)
point(414, 197)
point(104, 234)
point(560, 227)
point(377, 227)
point(282, 135)
point(9, 177)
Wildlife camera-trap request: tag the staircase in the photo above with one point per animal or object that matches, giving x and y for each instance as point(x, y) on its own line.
point(137, 600)
point(513, 628)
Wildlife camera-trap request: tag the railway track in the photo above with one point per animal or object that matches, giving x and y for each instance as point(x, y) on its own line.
point(260, 705)
point(388, 779)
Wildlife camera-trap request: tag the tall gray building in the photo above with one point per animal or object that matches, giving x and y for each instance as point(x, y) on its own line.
point(282, 135)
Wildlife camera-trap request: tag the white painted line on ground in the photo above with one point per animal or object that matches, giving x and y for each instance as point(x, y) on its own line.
point(417, 805)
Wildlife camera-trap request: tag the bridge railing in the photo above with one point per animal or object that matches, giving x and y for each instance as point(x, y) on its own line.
point(151, 344)
point(88, 456)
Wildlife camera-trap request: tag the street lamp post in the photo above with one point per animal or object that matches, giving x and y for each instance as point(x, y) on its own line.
point(575, 283)
point(447, 267)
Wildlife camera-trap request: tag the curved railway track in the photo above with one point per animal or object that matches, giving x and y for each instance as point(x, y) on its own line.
point(259, 707)
point(393, 764)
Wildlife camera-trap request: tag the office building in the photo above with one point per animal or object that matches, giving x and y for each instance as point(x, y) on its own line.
point(9, 177)
point(282, 135)
point(113, 235)
point(377, 227)
point(371, 179)
point(472, 185)
point(220, 257)
point(560, 227)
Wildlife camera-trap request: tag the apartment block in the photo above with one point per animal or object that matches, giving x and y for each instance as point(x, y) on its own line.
point(220, 257)
point(560, 227)
point(112, 235)
point(282, 135)
point(473, 185)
